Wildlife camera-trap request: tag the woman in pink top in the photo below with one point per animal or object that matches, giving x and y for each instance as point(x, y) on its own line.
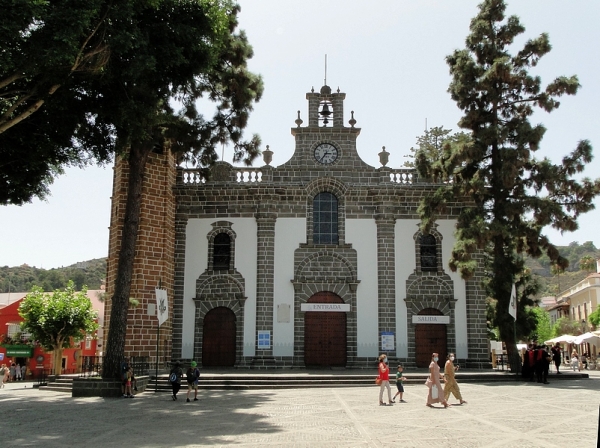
point(436, 393)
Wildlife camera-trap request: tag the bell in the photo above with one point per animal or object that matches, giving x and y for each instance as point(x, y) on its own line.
point(325, 111)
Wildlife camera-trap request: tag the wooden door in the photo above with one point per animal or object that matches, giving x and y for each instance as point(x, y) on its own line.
point(218, 338)
point(325, 334)
point(430, 338)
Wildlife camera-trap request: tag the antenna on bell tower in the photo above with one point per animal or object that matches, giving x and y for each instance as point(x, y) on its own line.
point(325, 81)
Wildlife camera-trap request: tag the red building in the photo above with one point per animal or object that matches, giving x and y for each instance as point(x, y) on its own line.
point(16, 347)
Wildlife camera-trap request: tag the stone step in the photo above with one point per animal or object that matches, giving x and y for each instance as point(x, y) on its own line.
point(283, 381)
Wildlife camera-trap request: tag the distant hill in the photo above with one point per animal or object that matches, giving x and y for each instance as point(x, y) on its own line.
point(553, 284)
point(22, 278)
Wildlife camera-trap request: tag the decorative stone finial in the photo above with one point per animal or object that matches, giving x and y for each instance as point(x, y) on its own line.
point(384, 156)
point(267, 155)
point(338, 90)
point(352, 121)
point(312, 89)
point(298, 120)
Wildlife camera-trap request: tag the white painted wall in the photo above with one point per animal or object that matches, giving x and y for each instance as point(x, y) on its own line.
point(196, 262)
point(362, 234)
point(289, 234)
point(446, 228)
point(405, 265)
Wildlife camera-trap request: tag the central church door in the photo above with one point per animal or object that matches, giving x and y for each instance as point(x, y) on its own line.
point(325, 334)
point(430, 338)
point(218, 338)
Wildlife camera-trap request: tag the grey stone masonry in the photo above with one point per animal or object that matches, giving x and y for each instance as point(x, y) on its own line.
point(476, 319)
point(265, 220)
point(386, 278)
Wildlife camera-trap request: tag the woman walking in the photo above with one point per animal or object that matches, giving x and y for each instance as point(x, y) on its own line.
point(451, 386)
point(435, 394)
point(384, 376)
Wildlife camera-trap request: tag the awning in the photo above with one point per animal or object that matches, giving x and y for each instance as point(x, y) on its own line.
point(564, 338)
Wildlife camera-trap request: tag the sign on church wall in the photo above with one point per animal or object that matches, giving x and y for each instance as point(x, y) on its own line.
point(419, 319)
point(328, 307)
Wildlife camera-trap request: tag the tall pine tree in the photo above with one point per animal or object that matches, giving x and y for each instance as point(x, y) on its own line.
point(513, 195)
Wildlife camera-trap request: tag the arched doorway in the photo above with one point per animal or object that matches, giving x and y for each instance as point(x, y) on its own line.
point(218, 338)
point(325, 334)
point(430, 338)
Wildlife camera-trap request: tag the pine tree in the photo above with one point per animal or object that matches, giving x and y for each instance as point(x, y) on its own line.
point(513, 195)
point(431, 144)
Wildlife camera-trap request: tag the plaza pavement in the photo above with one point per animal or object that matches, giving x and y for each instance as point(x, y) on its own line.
point(507, 414)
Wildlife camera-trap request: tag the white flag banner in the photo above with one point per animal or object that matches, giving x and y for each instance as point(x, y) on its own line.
point(162, 303)
point(512, 306)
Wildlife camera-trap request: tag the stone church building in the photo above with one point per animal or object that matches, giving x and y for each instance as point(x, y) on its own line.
point(316, 262)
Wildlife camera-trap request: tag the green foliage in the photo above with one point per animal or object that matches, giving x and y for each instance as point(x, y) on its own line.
point(48, 50)
point(565, 325)
point(43, 45)
point(24, 278)
point(512, 195)
point(594, 318)
point(543, 329)
point(574, 253)
point(431, 144)
point(56, 319)
point(587, 263)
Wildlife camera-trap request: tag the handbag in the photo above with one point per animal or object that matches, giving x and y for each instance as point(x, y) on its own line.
point(378, 381)
point(434, 391)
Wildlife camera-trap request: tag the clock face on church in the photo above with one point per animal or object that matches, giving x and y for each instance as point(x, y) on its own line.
point(326, 153)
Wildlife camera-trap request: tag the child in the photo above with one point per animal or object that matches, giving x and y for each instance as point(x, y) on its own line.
point(399, 380)
point(128, 393)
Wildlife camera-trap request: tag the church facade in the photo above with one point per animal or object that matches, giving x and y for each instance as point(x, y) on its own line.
point(317, 262)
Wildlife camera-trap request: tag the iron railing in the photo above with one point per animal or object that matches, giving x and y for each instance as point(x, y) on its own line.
point(92, 366)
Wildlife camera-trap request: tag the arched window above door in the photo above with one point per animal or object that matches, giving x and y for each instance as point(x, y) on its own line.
point(428, 251)
point(221, 252)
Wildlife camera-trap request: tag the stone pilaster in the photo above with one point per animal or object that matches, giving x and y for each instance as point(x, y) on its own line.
point(476, 319)
point(265, 219)
point(386, 266)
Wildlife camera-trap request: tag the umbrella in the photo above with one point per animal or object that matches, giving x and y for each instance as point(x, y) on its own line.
point(564, 338)
point(586, 337)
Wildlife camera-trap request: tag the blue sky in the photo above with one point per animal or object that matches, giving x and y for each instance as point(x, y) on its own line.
point(388, 57)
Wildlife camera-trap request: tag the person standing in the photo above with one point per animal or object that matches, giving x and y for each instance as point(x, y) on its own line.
point(193, 375)
point(450, 385)
point(3, 375)
point(24, 372)
point(18, 372)
point(556, 356)
point(175, 378)
point(384, 376)
point(433, 383)
point(575, 361)
point(400, 378)
point(11, 372)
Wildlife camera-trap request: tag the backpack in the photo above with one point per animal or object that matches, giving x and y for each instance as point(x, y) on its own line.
point(173, 377)
point(192, 375)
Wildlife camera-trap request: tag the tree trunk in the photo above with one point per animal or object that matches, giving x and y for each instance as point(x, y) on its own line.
point(115, 344)
point(57, 360)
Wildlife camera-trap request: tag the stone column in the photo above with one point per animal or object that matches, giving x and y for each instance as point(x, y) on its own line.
point(386, 284)
point(265, 268)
